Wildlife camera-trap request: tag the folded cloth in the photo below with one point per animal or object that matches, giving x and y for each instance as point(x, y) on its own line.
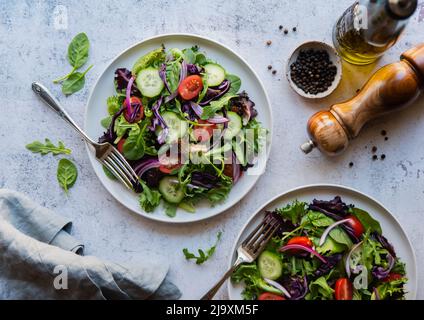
point(39, 259)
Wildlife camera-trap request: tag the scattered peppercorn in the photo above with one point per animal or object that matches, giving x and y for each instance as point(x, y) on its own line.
point(280, 27)
point(294, 29)
point(383, 133)
point(357, 90)
point(286, 31)
point(386, 138)
point(374, 149)
point(274, 71)
point(269, 42)
point(374, 157)
point(313, 71)
point(351, 164)
point(269, 67)
point(383, 156)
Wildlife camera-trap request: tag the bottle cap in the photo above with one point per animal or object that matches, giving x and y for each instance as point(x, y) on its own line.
point(401, 9)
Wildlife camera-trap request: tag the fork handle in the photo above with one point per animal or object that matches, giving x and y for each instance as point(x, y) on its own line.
point(48, 98)
point(212, 292)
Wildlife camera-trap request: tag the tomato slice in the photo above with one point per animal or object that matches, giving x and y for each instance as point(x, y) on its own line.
point(169, 169)
point(356, 225)
point(135, 103)
point(304, 241)
point(203, 133)
point(190, 87)
point(343, 289)
point(270, 296)
point(120, 145)
point(393, 277)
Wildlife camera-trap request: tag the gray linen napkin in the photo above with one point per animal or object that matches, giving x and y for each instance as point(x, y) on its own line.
point(39, 259)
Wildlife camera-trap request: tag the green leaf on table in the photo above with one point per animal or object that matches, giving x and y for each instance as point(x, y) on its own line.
point(203, 256)
point(78, 50)
point(48, 147)
point(74, 83)
point(67, 174)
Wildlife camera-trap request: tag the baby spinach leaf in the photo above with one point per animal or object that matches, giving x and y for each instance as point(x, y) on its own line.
point(48, 147)
point(78, 50)
point(235, 83)
point(134, 146)
point(366, 220)
point(67, 174)
point(109, 174)
point(203, 256)
point(75, 82)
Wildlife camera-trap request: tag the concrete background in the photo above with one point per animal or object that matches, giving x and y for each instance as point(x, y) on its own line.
point(33, 47)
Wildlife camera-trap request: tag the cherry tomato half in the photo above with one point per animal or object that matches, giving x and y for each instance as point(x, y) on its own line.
point(169, 169)
point(343, 289)
point(356, 225)
point(393, 277)
point(120, 145)
point(203, 133)
point(135, 103)
point(190, 87)
point(304, 241)
point(270, 296)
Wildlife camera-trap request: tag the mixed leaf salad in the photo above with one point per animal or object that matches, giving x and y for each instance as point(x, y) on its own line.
point(326, 250)
point(179, 119)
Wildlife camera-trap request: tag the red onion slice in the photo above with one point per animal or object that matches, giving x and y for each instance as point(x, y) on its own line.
point(278, 286)
point(328, 230)
point(304, 248)
point(128, 94)
point(347, 263)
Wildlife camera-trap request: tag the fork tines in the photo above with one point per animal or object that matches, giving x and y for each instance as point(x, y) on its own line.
point(258, 238)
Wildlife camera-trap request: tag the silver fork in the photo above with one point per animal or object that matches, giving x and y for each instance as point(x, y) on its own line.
point(106, 154)
point(249, 250)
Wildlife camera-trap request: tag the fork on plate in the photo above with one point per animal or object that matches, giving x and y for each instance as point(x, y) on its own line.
point(106, 153)
point(249, 250)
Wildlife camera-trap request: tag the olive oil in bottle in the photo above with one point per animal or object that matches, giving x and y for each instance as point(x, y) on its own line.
point(370, 27)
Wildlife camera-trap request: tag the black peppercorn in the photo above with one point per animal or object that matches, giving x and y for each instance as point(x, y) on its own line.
point(374, 157)
point(269, 67)
point(374, 149)
point(351, 164)
point(383, 156)
point(294, 29)
point(286, 31)
point(280, 27)
point(269, 42)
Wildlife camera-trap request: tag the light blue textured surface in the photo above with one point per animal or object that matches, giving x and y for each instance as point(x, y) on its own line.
point(31, 48)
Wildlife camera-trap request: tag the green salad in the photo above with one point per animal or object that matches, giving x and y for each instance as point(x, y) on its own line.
point(325, 250)
point(185, 127)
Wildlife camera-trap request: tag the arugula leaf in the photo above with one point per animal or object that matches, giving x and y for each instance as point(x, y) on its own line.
point(75, 82)
point(210, 110)
point(78, 50)
point(122, 126)
point(319, 289)
point(366, 220)
point(48, 147)
point(392, 290)
point(67, 174)
point(235, 83)
point(203, 256)
point(153, 58)
point(149, 199)
point(294, 212)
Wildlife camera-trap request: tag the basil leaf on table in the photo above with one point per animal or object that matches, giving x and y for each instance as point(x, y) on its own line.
point(67, 174)
point(75, 82)
point(48, 147)
point(78, 50)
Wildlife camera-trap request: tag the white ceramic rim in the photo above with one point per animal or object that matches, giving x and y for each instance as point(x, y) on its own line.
point(321, 185)
point(338, 78)
point(262, 87)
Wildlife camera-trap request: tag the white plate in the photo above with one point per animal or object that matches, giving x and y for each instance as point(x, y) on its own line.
point(104, 87)
point(391, 227)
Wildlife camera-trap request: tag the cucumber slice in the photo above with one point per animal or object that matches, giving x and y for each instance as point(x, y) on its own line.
point(215, 74)
point(177, 128)
point(270, 265)
point(234, 126)
point(171, 190)
point(149, 82)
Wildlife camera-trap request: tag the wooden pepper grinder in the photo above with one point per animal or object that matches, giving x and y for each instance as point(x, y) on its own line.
point(389, 89)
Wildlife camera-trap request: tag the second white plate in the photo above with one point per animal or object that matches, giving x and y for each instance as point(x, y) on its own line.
point(391, 227)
